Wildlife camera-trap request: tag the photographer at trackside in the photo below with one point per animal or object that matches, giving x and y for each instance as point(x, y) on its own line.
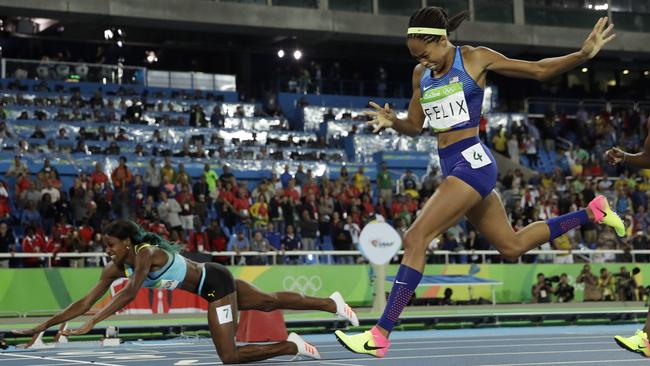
point(542, 290)
point(590, 283)
point(626, 286)
point(564, 290)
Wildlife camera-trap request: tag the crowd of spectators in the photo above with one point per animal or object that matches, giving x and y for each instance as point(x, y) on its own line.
point(297, 210)
point(114, 113)
point(577, 145)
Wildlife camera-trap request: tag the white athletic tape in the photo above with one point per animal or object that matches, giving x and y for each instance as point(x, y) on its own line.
point(224, 314)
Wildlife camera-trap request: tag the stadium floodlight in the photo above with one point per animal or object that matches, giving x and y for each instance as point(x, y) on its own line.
point(108, 34)
point(297, 54)
point(151, 57)
point(584, 69)
point(280, 53)
point(119, 32)
point(604, 6)
point(626, 71)
point(120, 43)
point(646, 73)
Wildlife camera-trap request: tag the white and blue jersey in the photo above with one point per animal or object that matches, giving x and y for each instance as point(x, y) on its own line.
point(452, 101)
point(169, 277)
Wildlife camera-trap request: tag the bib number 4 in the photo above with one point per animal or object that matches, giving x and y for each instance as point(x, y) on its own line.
point(476, 156)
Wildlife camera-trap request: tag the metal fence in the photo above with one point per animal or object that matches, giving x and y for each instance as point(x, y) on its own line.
point(334, 256)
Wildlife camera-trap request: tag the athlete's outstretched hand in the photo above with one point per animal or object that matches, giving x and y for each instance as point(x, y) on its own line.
point(598, 37)
point(28, 332)
point(381, 117)
point(614, 155)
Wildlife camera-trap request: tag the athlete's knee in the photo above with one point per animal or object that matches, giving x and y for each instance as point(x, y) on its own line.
point(510, 253)
point(413, 240)
point(513, 249)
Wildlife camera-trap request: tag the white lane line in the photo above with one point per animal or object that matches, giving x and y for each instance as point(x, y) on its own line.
point(441, 340)
point(613, 362)
point(473, 347)
point(58, 359)
point(339, 364)
point(341, 350)
point(367, 359)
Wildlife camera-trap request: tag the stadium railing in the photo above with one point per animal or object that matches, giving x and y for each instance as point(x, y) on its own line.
point(314, 257)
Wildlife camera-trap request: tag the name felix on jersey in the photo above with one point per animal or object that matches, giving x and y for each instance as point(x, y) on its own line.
point(446, 110)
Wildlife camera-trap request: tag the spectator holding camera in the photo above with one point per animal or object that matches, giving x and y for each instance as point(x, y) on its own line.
point(625, 285)
point(590, 282)
point(606, 284)
point(564, 290)
point(542, 290)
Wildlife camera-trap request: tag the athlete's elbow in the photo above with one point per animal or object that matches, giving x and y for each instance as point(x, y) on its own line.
point(414, 132)
point(542, 73)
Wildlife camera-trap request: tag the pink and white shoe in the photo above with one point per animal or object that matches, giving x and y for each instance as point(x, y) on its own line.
point(343, 310)
point(304, 348)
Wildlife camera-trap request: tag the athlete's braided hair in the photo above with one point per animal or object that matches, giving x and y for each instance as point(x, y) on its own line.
point(123, 229)
point(435, 17)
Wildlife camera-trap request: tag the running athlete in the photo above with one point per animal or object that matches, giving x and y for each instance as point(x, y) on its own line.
point(448, 84)
point(150, 261)
point(639, 341)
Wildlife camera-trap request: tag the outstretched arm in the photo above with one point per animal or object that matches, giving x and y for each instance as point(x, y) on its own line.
point(126, 295)
point(639, 160)
point(549, 67)
point(81, 306)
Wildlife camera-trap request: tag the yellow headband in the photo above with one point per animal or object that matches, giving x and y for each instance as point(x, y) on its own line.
point(433, 31)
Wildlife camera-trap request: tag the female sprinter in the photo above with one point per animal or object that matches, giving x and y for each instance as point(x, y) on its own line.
point(448, 87)
point(150, 261)
point(639, 341)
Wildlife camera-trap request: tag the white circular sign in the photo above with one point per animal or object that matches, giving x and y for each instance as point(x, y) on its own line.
point(379, 242)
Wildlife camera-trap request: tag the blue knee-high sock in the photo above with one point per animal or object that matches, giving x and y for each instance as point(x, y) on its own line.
point(406, 281)
point(561, 224)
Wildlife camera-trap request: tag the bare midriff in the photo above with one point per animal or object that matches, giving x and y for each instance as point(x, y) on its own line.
point(450, 137)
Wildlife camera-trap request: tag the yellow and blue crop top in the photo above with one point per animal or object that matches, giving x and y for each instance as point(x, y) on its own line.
point(169, 277)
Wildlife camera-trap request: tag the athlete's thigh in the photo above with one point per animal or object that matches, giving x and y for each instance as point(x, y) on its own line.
point(490, 219)
point(222, 320)
point(250, 297)
point(448, 204)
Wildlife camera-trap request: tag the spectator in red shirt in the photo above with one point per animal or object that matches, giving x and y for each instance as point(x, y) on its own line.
point(99, 177)
point(159, 228)
point(310, 187)
point(198, 240)
point(397, 206)
point(33, 243)
point(217, 241)
point(226, 193)
point(121, 175)
point(22, 183)
point(367, 206)
point(291, 192)
point(241, 204)
point(86, 233)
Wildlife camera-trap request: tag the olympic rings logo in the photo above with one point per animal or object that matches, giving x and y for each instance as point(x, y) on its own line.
point(303, 284)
